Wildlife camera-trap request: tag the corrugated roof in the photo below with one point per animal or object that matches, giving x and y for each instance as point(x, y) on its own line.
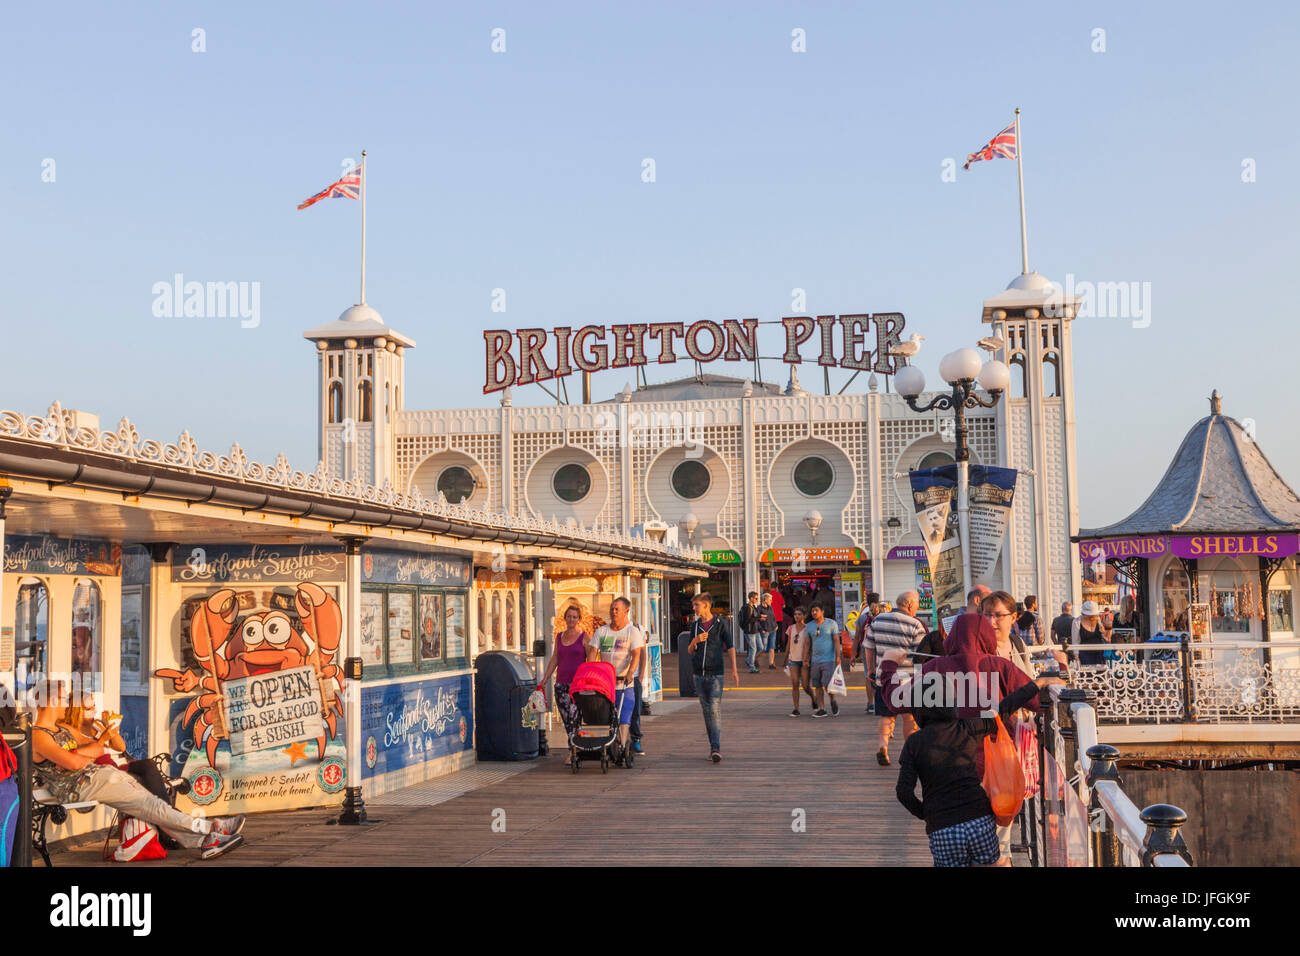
point(1220, 481)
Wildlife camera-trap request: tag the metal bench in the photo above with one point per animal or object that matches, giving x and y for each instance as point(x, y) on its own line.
point(45, 807)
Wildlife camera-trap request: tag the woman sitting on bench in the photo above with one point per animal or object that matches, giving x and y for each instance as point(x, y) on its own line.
point(99, 739)
point(68, 769)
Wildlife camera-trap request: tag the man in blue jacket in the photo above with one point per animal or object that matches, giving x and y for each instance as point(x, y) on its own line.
point(710, 641)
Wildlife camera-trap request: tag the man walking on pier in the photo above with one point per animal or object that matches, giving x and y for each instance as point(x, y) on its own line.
point(894, 630)
point(710, 640)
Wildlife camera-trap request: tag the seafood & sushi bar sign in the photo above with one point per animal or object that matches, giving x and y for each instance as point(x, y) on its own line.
point(221, 564)
point(527, 356)
point(42, 554)
point(408, 724)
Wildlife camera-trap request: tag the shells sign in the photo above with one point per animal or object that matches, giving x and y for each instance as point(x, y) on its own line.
point(594, 348)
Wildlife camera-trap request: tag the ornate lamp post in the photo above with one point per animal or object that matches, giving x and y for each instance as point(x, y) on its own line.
point(961, 370)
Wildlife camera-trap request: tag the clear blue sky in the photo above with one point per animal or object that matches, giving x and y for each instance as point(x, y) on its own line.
point(521, 170)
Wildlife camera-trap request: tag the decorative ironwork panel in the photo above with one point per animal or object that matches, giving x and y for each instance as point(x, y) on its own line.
point(1230, 684)
point(1138, 686)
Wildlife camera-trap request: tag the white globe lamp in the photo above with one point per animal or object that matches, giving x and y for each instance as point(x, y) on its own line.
point(961, 365)
point(910, 381)
point(994, 376)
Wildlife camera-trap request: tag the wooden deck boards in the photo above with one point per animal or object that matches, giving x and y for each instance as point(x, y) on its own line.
point(673, 808)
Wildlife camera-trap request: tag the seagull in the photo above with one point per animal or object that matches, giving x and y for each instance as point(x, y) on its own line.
point(992, 343)
point(909, 348)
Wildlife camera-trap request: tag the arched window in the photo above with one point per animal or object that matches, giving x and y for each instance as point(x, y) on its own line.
point(87, 636)
point(336, 403)
point(1019, 376)
point(1051, 375)
point(31, 631)
point(1175, 596)
point(365, 402)
point(1233, 594)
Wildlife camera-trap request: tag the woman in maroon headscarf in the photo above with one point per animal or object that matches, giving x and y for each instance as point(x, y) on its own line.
point(974, 679)
point(970, 655)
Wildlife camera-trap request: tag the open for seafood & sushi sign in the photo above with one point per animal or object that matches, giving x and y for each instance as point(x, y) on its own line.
point(270, 710)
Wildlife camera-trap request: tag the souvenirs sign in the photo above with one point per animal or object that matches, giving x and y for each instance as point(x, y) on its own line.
point(1190, 546)
point(527, 356)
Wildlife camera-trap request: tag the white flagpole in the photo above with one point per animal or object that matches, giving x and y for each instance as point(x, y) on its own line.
point(363, 217)
point(1020, 170)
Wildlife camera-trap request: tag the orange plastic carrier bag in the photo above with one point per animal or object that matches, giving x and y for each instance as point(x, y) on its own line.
point(1004, 780)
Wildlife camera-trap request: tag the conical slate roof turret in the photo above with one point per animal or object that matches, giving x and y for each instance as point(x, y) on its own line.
point(1220, 482)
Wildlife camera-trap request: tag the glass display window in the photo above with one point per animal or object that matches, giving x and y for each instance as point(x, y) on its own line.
point(87, 627)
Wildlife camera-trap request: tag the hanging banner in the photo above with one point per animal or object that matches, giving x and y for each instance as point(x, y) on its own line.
point(991, 491)
point(934, 495)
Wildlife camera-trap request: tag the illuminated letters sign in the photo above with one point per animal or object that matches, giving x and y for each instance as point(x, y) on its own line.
point(1191, 546)
point(527, 356)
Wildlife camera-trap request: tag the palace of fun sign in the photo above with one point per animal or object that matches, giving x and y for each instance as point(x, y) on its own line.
point(528, 356)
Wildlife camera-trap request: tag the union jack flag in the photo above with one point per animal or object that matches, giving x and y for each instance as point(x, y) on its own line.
point(349, 187)
point(1004, 145)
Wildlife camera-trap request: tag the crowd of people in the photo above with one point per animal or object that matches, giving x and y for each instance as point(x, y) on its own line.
point(997, 640)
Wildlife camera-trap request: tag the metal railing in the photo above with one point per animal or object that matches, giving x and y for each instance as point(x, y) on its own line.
point(1080, 814)
point(1184, 681)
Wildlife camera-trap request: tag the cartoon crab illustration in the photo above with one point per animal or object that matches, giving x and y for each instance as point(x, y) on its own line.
point(263, 642)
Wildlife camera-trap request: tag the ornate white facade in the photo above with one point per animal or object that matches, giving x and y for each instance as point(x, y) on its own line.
point(743, 495)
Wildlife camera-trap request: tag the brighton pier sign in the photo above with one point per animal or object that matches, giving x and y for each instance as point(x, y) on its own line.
point(527, 356)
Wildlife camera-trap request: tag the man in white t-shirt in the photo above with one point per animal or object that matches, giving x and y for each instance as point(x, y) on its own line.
point(620, 643)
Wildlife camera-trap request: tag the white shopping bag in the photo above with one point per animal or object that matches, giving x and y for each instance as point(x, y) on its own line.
point(837, 685)
point(536, 703)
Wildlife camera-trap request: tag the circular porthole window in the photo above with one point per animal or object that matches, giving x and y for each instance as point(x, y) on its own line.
point(571, 483)
point(456, 484)
point(813, 476)
point(691, 480)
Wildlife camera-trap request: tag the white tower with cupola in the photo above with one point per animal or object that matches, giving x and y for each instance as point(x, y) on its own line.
point(1036, 421)
point(359, 393)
